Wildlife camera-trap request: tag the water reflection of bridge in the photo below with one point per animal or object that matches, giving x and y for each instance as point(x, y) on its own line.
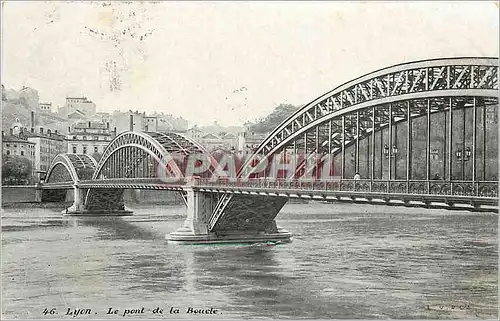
point(398, 127)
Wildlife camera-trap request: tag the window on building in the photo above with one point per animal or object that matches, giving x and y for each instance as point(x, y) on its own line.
point(84, 137)
point(8, 145)
point(74, 137)
point(15, 145)
point(85, 149)
point(15, 152)
point(8, 152)
point(96, 149)
point(22, 153)
point(74, 149)
point(96, 137)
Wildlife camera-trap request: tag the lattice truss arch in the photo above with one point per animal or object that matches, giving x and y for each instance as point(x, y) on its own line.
point(129, 155)
point(326, 137)
point(130, 149)
point(70, 168)
point(398, 86)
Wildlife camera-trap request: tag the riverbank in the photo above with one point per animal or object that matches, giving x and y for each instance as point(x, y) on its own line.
point(61, 205)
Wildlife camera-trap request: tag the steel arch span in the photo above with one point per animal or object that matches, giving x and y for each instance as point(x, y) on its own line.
point(382, 98)
point(149, 155)
point(372, 106)
point(67, 169)
point(124, 154)
point(70, 168)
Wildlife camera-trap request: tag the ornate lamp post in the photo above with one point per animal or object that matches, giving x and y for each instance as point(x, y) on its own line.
point(463, 157)
point(394, 153)
point(386, 151)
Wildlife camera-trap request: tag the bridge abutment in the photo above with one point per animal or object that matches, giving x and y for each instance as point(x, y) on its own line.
point(38, 193)
point(78, 205)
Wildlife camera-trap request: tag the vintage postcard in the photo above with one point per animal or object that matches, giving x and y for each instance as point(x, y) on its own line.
point(213, 160)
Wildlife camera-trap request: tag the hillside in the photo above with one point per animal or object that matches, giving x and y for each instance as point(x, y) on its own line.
point(17, 106)
point(269, 123)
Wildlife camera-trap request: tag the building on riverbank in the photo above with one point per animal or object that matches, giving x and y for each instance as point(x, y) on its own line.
point(13, 145)
point(48, 144)
point(89, 137)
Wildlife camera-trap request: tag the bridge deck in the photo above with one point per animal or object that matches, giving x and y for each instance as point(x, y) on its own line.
point(406, 191)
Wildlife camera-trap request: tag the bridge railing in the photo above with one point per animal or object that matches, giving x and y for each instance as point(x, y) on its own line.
point(417, 187)
point(131, 180)
point(422, 187)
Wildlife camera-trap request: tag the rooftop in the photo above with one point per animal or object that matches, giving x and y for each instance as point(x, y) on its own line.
point(210, 136)
point(14, 139)
point(91, 124)
point(84, 99)
point(51, 135)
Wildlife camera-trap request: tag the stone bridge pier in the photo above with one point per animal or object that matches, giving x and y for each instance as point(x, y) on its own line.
point(102, 201)
point(215, 218)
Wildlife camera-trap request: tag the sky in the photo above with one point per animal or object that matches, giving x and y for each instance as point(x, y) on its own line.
point(229, 62)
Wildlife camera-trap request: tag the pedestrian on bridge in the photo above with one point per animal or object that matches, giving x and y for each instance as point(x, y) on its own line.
point(357, 176)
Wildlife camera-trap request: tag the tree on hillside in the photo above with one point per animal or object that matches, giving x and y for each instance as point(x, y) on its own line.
point(16, 170)
point(280, 113)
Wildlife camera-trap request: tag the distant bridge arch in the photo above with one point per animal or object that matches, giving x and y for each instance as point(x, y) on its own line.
point(67, 169)
point(70, 167)
point(124, 154)
point(148, 155)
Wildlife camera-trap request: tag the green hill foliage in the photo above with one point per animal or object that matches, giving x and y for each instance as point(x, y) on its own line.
point(16, 170)
point(267, 124)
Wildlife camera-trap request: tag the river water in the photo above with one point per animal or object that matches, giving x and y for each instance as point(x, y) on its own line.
point(346, 261)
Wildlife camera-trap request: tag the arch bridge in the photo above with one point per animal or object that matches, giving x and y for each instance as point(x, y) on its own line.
point(132, 159)
point(422, 133)
point(64, 171)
